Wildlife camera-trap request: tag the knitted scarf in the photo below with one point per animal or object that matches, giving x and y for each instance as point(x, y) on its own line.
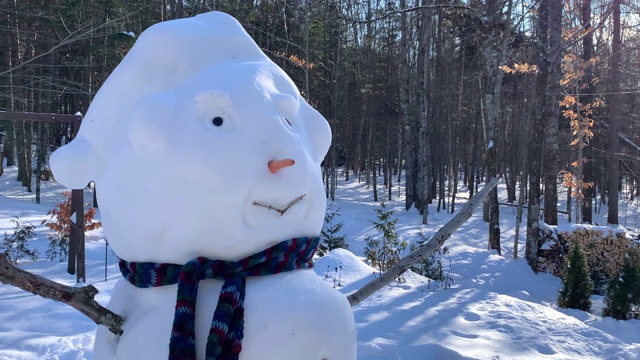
point(227, 327)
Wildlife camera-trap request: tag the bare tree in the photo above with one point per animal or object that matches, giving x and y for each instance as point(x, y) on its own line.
point(587, 55)
point(497, 32)
point(552, 114)
point(613, 165)
point(535, 140)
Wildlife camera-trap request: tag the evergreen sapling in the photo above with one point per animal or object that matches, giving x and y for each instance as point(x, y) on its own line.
point(431, 267)
point(330, 233)
point(622, 298)
point(577, 286)
point(384, 252)
point(15, 245)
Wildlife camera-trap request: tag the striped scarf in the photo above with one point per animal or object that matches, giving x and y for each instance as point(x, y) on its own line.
point(227, 327)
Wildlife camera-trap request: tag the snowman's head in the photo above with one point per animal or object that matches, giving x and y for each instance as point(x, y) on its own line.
point(208, 151)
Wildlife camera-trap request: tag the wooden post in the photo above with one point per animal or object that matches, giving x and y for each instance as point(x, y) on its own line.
point(76, 263)
point(71, 256)
point(77, 208)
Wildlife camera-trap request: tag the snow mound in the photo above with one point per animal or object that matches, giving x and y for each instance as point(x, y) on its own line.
point(346, 270)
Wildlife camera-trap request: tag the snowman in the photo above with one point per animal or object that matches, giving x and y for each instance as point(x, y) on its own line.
point(207, 164)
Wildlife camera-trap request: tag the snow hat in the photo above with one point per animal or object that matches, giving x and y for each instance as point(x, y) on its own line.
point(165, 55)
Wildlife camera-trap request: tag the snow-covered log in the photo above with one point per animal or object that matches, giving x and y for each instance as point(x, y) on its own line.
point(425, 249)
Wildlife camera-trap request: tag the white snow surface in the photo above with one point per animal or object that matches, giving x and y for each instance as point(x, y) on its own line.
point(497, 308)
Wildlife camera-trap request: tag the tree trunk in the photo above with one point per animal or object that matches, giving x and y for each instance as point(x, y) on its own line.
point(409, 151)
point(40, 157)
point(587, 50)
point(8, 151)
point(552, 115)
point(535, 140)
point(20, 152)
point(494, 54)
point(424, 161)
point(521, 196)
point(613, 166)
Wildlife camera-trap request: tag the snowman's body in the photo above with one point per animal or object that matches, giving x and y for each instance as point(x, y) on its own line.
point(287, 316)
point(179, 142)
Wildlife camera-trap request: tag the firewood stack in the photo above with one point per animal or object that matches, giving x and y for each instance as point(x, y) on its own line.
point(605, 248)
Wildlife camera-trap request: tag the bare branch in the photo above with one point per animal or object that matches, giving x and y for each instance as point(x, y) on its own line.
point(86, 32)
point(415, 8)
point(79, 298)
point(425, 249)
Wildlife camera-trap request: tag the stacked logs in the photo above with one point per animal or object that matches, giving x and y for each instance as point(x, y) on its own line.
point(604, 247)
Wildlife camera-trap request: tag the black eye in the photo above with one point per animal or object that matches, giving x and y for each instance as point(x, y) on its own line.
point(288, 122)
point(217, 121)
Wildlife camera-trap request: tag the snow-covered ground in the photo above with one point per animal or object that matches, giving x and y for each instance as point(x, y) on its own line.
point(496, 308)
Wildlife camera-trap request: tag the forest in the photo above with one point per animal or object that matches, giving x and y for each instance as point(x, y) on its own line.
point(437, 94)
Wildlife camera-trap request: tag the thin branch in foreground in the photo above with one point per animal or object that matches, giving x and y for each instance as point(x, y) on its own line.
point(79, 298)
point(280, 211)
point(425, 249)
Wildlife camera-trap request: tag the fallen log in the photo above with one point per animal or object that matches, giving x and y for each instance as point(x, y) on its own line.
point(425, 249)
point(80, 298)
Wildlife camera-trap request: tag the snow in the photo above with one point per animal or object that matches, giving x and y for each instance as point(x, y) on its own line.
point(606, 230)
point(497, 308)
point(547, 245)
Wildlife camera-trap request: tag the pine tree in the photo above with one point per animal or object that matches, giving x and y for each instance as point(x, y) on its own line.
point(330, 233)
point(622, 298)
point(384, 252)
point(431, 266)
point(577, 286)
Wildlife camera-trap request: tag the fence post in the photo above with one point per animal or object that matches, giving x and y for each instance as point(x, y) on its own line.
point(76, 236)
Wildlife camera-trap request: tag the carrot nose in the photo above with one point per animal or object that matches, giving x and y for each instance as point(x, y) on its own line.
point(277, 165)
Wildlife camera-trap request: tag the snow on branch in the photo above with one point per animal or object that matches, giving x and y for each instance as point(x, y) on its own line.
point(425, 249)
point(624, 138)
point(80, 298)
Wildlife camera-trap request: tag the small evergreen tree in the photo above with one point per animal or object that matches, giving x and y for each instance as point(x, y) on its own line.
point(15, 245)
point(58, 247)
point(330, 233)
point(431, 267)
point(596, 268)
point(577, 286)
point(384, 252)
point(622, 298)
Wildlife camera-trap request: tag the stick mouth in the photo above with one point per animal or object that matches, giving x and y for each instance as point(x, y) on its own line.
point(261, 213)
point(281, 211)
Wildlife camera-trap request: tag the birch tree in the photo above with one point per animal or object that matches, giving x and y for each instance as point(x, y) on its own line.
point(497, 32)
